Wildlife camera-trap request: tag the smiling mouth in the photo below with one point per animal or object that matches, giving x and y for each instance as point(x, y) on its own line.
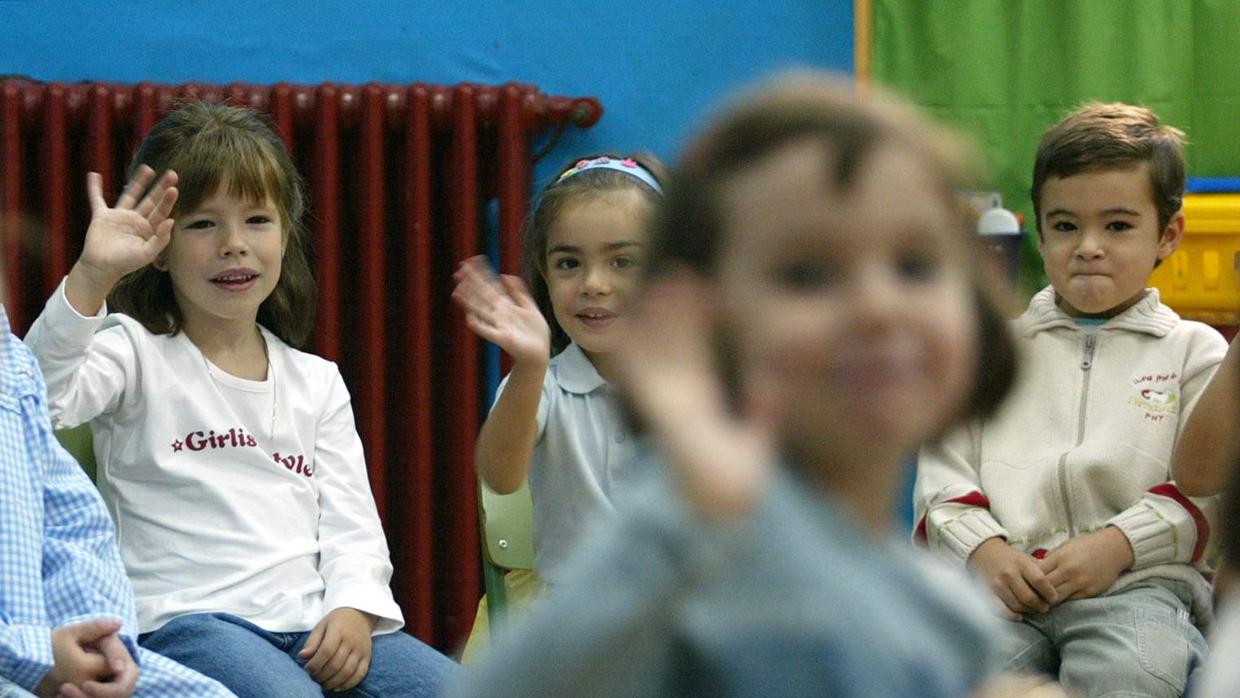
point(235, 280)
point(596, 318)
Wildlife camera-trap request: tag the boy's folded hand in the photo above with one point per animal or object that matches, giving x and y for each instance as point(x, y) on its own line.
point(1014, 577)
point(1087, 565)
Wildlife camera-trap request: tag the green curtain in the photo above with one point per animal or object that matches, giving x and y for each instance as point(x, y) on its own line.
point(1003, 71)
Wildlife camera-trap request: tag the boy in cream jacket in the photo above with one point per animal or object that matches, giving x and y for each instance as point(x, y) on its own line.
point(1062, 503)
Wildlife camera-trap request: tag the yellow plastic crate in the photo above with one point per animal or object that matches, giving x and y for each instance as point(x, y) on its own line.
point(1199, 280)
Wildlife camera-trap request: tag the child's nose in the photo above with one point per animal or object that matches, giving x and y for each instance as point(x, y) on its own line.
point(597, 281)
point(876, 296)
point(232, 241)
point(1090, 246)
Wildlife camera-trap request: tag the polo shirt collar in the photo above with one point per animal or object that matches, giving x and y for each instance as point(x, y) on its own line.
point(575, 373)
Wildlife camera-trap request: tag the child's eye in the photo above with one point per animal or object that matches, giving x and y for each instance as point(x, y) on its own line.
point(805, 275)
point(1063, 226)
point(919, 267)
point(260, 219)
point(1119, 226)
point(201, 224)
point(625, 262)
point(565, 263)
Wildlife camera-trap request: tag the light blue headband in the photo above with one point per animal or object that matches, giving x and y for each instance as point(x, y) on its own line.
point(628, 166)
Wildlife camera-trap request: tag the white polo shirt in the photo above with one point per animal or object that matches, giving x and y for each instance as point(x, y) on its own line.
point(583, 457)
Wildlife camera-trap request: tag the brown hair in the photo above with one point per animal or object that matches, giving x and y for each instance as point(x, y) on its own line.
point(1113, 136)
point(207, 145)
point(689, 231)
point(555, 198)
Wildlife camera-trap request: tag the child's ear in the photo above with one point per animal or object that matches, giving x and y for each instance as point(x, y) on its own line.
point(160, 262)
point(1171, 236)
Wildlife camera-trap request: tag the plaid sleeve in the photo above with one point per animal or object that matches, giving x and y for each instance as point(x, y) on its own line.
point(58, 558)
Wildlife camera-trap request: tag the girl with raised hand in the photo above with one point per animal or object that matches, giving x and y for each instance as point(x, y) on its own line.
point(228, 458)
point(553, 420)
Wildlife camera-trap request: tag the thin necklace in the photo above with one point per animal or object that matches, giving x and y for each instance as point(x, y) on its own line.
point(271, 375)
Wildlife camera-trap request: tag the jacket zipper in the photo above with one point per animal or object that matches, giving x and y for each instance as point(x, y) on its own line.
point(1087, 362)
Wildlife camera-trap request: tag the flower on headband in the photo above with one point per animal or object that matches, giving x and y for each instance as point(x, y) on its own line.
point(580, 164)
point(629, 162)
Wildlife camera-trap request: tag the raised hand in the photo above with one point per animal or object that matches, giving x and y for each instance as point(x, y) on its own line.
point(1087, 565)
point(668, 370)
point(121, 238)
point(1014, 577)
point(500, 310)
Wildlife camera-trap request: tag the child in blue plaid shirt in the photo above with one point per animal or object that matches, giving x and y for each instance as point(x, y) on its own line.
point(67, 623)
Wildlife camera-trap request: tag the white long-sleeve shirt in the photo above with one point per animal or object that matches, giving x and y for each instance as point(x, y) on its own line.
point(229, 495)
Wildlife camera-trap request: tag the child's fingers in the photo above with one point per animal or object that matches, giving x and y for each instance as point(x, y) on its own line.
point(313, 642)
point(518, 292)
point(135, 187)
point(89, 632)
point(1041, 584)
point(68, 690)
point(160, 211)
point(156, 194)
point(324, 654)
point(477, 270)
point(1027, 597)
point(120, 662)
point(1009, 600)
point(359, 673)
point(339, 670)
point(482, 327)
point(116, 688)
point(94, 192)
point(157, 242)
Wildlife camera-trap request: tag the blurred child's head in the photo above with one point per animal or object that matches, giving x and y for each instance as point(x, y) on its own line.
point(232, 156)
point(585, 245)
point(829, 230)
point(1108, 183)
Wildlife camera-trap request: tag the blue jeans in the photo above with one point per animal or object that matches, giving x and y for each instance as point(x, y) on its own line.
point(1137, 641)
point(259, 664)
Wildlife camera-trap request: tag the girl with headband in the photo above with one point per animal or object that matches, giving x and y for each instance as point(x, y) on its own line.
point(553, 420)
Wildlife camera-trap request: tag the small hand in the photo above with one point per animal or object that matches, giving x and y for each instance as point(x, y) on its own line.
point(1086, 566)
point(338, 649)
point(667, 368)
point(1014, 577)
point(1018, 686)
point(124, 673)
point(122, 238)
point(77, 656)
point(501, 310)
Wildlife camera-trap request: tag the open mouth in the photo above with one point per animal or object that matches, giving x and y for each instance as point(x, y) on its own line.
point(596, 318)
point(235, 280)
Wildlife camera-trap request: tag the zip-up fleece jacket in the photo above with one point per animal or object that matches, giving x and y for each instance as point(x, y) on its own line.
point(1083, 442)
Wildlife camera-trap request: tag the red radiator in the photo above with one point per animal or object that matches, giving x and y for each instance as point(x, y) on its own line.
point(398, 178)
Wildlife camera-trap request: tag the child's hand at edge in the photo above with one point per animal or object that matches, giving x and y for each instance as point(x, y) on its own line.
point(668, 370)
point(338, 649)
point(124, 678)
point(500, 310)
point(1014, 577)
point(85, 653)
point(1020, 686)
point(121, 238)
point(1087, 565)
